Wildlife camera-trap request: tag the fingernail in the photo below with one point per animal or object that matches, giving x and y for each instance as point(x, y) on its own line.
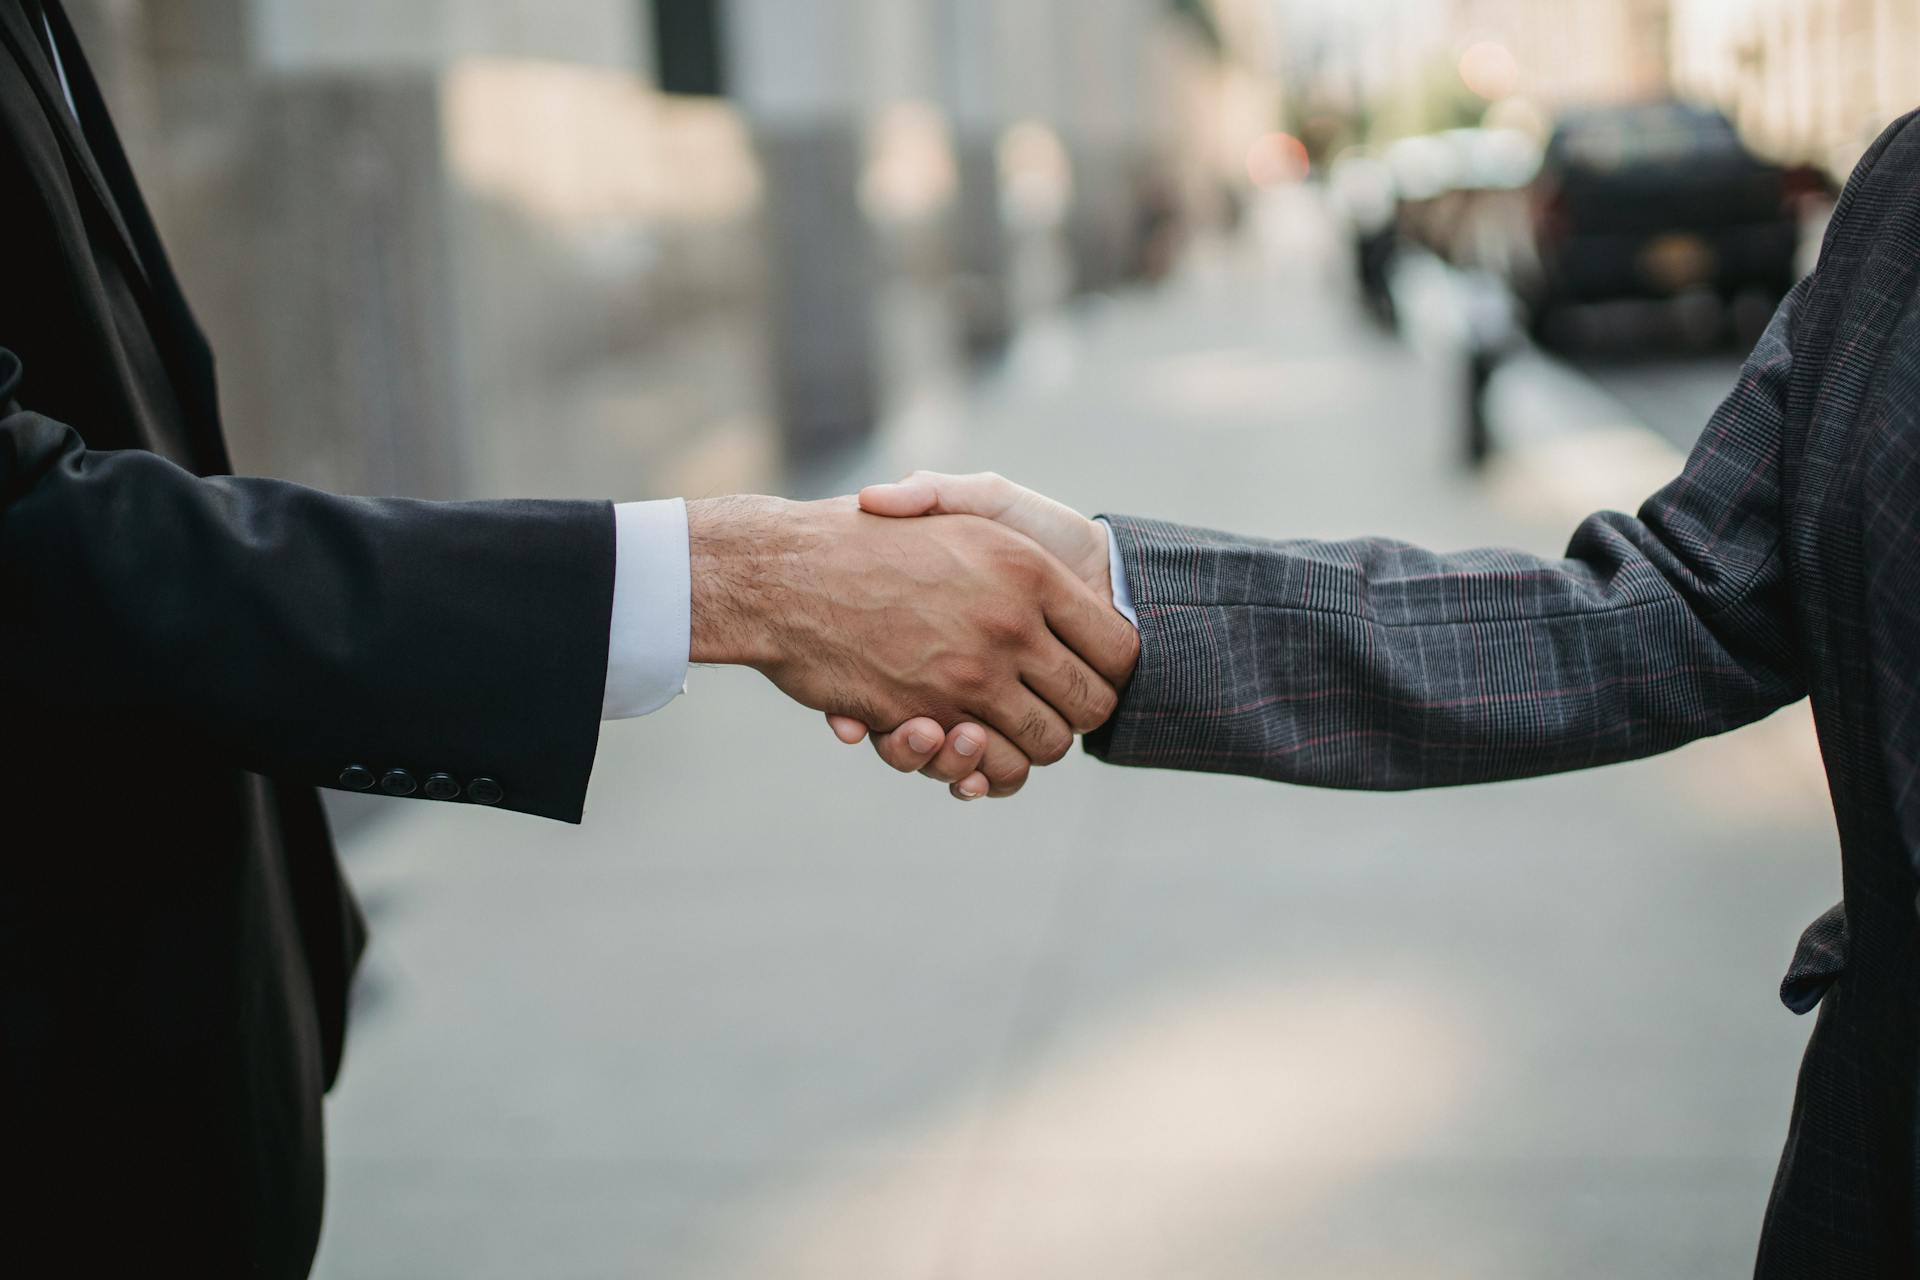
point(972, 790)
point(922, 741)
point(967, 745)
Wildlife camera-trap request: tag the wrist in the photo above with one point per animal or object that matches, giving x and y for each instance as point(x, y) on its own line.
point(1118, 591)
point(734, 548)
point(1101, 560)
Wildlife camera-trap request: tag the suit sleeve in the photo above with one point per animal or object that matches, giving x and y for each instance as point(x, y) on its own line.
point(1373, 664)
point(299, 634)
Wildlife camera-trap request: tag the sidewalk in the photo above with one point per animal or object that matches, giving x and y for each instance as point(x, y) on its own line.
point(776, 1012)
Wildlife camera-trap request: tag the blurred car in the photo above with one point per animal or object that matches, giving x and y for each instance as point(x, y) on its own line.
point(1463, 197)
point(1457, 195)
point(1655, 200)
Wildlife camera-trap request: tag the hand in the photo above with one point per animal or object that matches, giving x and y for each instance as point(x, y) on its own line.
point(1077, 542)
point(908, 623)
point(1066, 535)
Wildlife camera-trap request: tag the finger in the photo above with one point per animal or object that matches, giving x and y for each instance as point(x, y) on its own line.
point(1004, 768)
point(1090, 627)
point(1041, 733)
point(977, 761)
point(963, 752)
point(971, 787)
point(959, 762)
point(967, 750)
point(846, 728)
point(912, 745)
point(1080, 694)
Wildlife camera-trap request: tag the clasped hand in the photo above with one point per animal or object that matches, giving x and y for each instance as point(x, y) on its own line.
point(967, 622)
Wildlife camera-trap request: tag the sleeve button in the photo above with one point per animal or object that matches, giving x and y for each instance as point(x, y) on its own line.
point(356, 777)
point(442, 786)
point(398, 782)
point(485, 791)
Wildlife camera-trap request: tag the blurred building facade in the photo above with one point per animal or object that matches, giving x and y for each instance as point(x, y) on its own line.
point(644, 246)
point(1571, 52)
point(1403, 67)
point(1807, 80)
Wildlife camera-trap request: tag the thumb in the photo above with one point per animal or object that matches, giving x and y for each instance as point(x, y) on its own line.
point(907, 498)
point(1076, 541)
point(930, 493)
point(846, 728)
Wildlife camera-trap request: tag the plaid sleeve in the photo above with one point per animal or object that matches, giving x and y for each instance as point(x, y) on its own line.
point(1373, 664)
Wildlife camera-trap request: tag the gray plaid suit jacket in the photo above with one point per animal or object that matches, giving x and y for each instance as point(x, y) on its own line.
point(1784, 562)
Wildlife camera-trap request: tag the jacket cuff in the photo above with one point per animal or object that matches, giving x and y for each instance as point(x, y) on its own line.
point(1129, 737)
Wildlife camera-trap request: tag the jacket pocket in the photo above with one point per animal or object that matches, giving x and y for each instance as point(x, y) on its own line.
point(1818, 961)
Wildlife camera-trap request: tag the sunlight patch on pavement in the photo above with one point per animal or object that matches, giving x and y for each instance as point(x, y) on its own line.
point(1565, 478)
point(1222, 388)
point(1758, 777)
point(1174, 1133)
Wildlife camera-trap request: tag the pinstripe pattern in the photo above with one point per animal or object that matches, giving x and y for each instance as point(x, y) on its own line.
point(1783, 562)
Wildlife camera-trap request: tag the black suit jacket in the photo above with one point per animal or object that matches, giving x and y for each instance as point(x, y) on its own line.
point(184, 658)
point(1784, 562)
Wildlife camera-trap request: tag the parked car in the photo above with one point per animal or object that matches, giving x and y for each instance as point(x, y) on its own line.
point(1658, 199)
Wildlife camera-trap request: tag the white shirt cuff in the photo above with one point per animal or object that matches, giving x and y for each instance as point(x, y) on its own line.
point(647, 643)
point(1122, 593)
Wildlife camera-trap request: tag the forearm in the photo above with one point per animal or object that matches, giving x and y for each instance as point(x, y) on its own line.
point(1375, 665)
point(302, 633)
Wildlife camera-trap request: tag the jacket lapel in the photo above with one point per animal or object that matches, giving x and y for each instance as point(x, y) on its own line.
point(24, 45)
point(91, 149)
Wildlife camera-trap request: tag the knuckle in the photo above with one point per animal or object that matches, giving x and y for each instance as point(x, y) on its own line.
point(1100, 705)
point(1007, 626)
point(970, 677)
point(1114, 656)
point(1051, 742)
point(1008, 774)
point(1080, 691)
point(890, 751)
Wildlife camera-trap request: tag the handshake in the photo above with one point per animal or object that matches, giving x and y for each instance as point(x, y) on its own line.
point(964, 621)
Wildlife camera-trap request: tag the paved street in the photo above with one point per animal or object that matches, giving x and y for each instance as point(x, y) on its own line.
point(1674, 396)
point(776, 1012)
